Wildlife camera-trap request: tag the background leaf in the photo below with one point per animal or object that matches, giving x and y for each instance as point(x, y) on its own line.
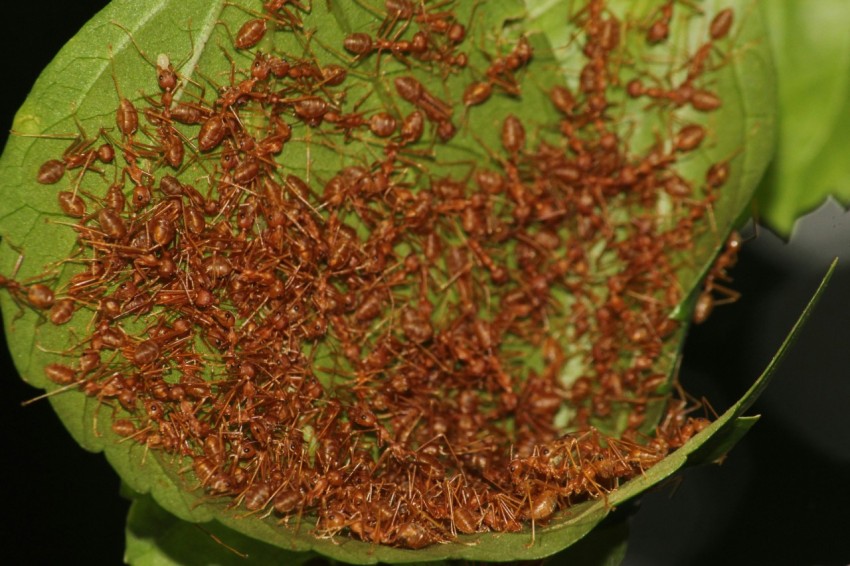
point(811, 49)
point(158, 538)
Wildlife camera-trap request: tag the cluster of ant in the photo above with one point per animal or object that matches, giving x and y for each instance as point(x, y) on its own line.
point(387, 358)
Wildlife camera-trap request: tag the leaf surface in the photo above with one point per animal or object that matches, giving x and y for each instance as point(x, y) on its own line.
point(107, 55)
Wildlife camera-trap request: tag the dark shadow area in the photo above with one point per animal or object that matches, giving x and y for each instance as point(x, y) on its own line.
point(781, 496)
point(60, 503)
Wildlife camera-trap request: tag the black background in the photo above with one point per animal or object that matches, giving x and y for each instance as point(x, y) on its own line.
point(781, 497)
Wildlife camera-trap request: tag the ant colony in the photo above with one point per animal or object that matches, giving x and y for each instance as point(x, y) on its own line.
point(406, 281)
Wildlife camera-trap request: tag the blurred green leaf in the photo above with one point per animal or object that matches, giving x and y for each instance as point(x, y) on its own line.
point(811, 49)
point(158, 538)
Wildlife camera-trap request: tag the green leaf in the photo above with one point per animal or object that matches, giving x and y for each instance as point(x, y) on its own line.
point(716, 448)
point(811, 49)
point(195, 33)
point(158, 538)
